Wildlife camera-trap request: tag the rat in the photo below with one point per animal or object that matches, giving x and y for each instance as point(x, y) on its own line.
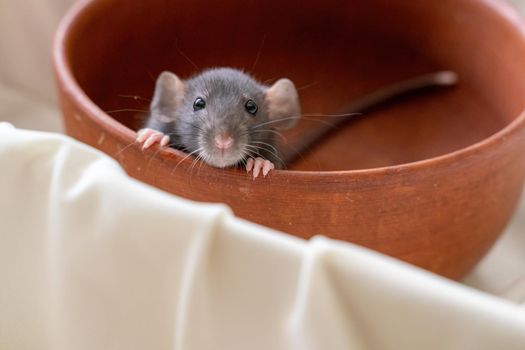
point(226, 118)
point(223, 116)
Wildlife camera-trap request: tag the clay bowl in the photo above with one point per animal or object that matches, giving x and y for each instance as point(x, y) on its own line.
point(432, 179)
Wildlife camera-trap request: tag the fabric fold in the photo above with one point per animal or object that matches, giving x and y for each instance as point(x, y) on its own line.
point(92, 259)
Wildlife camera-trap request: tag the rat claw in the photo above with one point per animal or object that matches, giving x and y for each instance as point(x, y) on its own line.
point(151, 140)
point(149, 136)
point(257, 167)
point(143, 134)
point(267, 166)
point(165, 140)
point(249, 165)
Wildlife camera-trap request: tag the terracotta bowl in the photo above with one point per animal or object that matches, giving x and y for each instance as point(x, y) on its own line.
point(432, 180)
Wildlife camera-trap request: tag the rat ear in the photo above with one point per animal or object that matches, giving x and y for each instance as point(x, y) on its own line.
point(283, 104)
point(169, 91)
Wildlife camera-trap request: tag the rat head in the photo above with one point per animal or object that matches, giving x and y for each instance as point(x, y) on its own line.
point(225, 116)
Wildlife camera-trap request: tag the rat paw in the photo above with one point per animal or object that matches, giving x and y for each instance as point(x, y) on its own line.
point(147, 137)
point(257, 165)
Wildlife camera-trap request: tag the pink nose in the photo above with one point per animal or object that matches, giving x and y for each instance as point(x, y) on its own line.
point(223, 142)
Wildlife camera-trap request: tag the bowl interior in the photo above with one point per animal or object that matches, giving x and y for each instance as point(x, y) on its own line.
point(333, 50)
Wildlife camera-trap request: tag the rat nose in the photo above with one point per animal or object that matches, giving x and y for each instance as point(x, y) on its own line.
point(223, 141)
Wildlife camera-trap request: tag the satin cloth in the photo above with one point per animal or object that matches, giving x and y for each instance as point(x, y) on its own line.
point(92, 259)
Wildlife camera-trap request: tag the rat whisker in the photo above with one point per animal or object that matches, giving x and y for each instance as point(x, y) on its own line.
point(259, 53)
point(247, 154)
point(267, 150)
point(204, 160)
point(192, 166)
point(191, 169)
point(126, 110)
point(201, 160)
point(331, 115)
point(287, 118)
point(244, 153)
point(150, 75)
point(270, 131)
point(306, 117)
point(267, 81)
point(160, 149)
point(125, 148)
point(267, 144)
point(153, 156)
point(184, 55)
point(307, 86)
point(254, 149)
point(307, 148)
point(183, 159)
point(135, 97)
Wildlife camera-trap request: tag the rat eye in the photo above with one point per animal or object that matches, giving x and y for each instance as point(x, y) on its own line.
point(199, 104)
point(251, 107)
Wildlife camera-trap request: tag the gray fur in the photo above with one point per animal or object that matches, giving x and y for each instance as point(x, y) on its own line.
point(225, 92)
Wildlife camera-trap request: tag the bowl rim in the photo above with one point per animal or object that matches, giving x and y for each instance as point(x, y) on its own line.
point(68, 85)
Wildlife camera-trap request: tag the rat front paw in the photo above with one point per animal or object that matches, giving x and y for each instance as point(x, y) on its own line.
point(257, 165)
point(147, 137)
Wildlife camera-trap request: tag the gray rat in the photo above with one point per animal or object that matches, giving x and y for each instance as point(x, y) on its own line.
point(223, 116)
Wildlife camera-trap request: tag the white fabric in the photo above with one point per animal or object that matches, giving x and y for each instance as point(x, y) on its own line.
point(91, 259)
